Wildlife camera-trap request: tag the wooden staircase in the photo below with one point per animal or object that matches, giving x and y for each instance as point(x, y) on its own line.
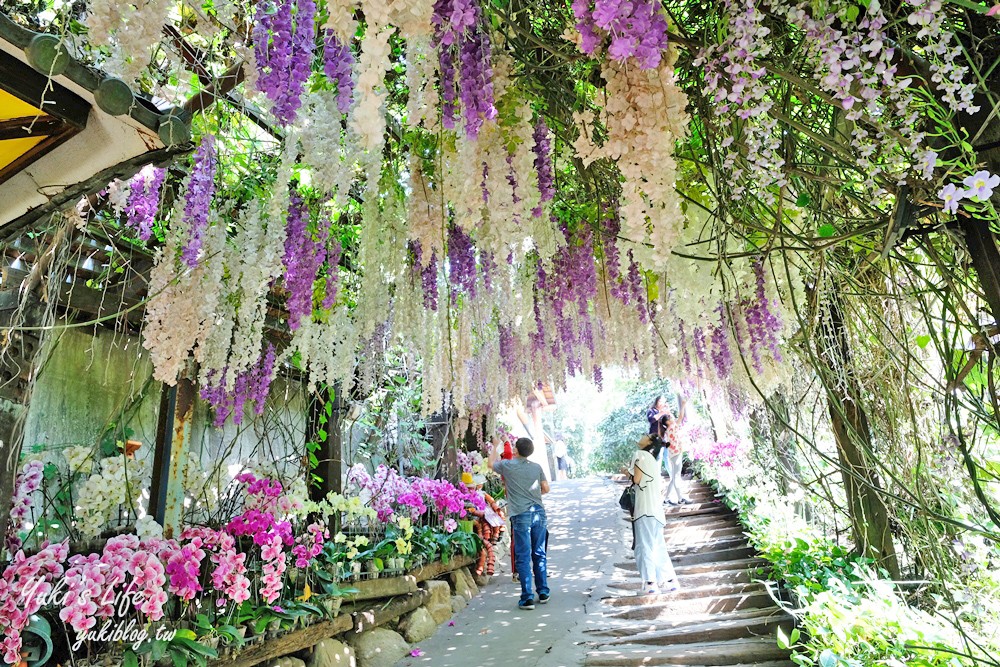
point(720, 617)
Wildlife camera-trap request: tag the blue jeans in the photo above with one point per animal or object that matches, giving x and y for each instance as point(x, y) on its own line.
point(529, 551)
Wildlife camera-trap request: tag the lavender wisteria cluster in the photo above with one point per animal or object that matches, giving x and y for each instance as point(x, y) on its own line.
point(634, 29)
point(338, 64)
point(198, 199)
point(284, 38)
point(230, 397)
point(305, 254)
point(144, 200)
point(464, 53)
point(543, 165)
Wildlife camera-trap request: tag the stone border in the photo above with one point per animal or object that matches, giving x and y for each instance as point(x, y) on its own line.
point(424, 601)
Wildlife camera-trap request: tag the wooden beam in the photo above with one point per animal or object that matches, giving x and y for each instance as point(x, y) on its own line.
point(24, 83)
point(38, 150)
point(95, 183)
point(30, 126)
point(288, 643)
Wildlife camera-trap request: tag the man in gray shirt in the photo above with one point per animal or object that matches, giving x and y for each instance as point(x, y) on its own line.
point(526, 483)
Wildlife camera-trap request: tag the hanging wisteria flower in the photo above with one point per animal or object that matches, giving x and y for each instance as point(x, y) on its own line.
point(251, 386)
point(951, 195)
point(637, 28)
point(458, 34)
point(284, 40)
point(338, 65)
point(198, 199)
point(543, 164)
point(980, 185)
point(144, 200)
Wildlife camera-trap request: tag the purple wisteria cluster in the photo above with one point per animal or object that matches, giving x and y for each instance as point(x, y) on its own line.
point(461, 263)
point(763, 324)
point(543, 164)
point(338, 63)
point(251, 386)
point(425, 273)
point(722, 356)
point(636, 28)
point(573, 279)
point(198, 199)
point(144, 200)
point(509, 356)
point(305, 254)
point(628, 288)
point(284, 40)
point(465, 63)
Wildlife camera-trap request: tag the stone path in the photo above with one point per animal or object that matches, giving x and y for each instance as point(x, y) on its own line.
point(597, 616)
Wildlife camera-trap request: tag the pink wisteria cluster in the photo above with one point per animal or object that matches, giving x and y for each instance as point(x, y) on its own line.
point(716, 453)
point(26, 583)
point(391, 495)
point(28, 481)
point(978, 188)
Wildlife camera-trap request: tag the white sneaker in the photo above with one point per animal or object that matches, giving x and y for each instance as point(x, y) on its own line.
point(652, 589)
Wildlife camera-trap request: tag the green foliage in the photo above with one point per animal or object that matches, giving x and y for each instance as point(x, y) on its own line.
point(621, 429)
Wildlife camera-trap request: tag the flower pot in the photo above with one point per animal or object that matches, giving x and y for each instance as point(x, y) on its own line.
point(371, 569)
point(332, 605)
point(465, 525)
point(293, 574)
point(355, 570)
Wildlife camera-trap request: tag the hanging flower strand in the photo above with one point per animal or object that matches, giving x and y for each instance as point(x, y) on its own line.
point(198, 199)
point(284, 40)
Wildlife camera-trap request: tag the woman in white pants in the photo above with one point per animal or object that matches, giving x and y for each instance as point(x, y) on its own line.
point(648, 520)
point(675, 457)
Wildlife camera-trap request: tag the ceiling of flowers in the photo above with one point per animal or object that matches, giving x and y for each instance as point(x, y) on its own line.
point(515, 190)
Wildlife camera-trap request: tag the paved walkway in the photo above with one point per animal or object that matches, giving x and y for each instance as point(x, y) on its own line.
point(597, 615)
point(584, 543)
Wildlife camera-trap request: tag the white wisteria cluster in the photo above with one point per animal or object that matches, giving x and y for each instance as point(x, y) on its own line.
point(130, 30)
point(182, 306)
point(644, 115)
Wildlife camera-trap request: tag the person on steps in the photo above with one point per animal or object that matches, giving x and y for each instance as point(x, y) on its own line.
point(525, 481)
point(675, 455)
point(648, 519)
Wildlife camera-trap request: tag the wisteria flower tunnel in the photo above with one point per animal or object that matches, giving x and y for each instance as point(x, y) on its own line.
point(263, 360)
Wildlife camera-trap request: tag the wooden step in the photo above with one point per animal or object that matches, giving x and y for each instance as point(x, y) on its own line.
point(676, 534)
point(620, 628)
point(729, 559)
point(750, 563)
point(723, 629)
point(687, 593)
point(695, 580)
point(717, 545)
point(714, 556)
point(666, 605)
point(747, 651)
